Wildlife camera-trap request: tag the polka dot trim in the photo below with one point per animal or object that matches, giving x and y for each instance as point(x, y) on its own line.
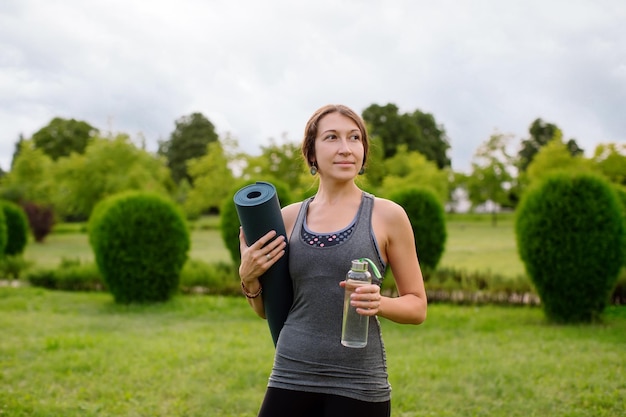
point(326, 240)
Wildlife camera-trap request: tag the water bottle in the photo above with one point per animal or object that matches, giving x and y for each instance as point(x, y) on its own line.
point(354, 326)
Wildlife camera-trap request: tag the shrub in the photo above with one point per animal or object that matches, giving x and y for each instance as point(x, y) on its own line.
point(229, 221)
point(71, 275)
point(216, 278)
point(618, 295)
point(621, 194)
point(570, 237)
point(4, 234)
point(140, 242)
point(40, 220)
point(12, 266)
point(17, 228)
point(427, 217)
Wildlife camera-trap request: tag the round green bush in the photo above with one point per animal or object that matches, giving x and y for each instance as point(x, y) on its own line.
point(621, 194)
point(427, 217)
point(17, 228)
point(229, 220)
point(140, 242)
point(570, 237)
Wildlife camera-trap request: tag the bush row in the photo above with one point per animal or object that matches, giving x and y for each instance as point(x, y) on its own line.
point(195, 277)
point(450, 285)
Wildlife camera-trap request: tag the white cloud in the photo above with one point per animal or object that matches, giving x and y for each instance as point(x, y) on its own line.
point(259, 69)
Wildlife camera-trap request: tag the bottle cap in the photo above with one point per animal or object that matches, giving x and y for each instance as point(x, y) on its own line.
point(374, 268)
point(359, 265)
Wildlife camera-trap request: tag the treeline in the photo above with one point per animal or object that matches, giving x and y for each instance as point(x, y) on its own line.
point(68, 166)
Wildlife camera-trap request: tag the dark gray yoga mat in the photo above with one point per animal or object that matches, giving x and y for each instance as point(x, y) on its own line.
point(259, 212)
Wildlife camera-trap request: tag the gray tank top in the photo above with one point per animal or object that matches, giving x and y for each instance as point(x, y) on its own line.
point(309, 354)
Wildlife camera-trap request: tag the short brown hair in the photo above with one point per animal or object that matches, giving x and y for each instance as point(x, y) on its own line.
point(310, 131)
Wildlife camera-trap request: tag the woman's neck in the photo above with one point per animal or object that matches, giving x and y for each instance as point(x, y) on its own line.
point(333, 194)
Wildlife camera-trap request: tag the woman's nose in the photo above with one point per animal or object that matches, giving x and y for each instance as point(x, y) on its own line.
point(344, 147)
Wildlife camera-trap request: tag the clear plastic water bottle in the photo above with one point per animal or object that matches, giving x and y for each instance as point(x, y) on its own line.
point(354, 326)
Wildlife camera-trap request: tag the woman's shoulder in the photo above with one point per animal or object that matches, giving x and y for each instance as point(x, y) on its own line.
point(386, 204)
point(290, 214)
point(291, 210)
point(389, 210)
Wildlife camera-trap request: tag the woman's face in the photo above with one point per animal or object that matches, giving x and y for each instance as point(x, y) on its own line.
point(338, 147)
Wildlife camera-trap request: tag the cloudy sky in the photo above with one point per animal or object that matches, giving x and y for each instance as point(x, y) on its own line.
point(258, 68)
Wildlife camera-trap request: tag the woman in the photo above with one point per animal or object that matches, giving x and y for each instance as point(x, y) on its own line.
point(313, 374)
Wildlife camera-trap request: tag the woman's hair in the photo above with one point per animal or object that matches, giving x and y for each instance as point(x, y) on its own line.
point(310, 131)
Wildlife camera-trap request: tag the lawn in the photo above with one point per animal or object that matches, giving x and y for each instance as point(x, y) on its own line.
point(473, 244)
point(79, 354)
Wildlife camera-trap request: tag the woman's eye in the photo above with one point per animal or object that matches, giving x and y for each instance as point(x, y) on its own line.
point(355, 138)
point(331, 136)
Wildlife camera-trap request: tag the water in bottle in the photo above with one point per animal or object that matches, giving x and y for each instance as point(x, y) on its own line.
point(355, 326)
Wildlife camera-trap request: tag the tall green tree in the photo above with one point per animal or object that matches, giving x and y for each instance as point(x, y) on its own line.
point(109, 166)
point(541, 133)
point(412, 170)
point(417, 130)
point(30, 184)
point(212, 180)
point(188, 140)
point(61, 137)
point(491, 177)
point(18, 146)
point(29, 178)
point(282, 161)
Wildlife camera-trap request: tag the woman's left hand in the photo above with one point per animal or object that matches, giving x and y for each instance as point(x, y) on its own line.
point(366, 299)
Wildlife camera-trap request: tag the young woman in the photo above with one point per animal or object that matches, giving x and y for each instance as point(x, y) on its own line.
point(313, 373)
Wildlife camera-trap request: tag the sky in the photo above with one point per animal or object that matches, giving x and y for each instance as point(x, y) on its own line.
point(258, 69)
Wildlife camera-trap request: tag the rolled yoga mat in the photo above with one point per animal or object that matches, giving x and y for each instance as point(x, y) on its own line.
point(259, 212)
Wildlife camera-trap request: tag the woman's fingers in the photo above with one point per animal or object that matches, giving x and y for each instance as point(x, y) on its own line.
point(366, 299)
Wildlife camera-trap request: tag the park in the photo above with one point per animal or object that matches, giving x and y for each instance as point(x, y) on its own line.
point(80, 354)
point(72, 348)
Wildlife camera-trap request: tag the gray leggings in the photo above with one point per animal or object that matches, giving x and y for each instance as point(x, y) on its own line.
point(281, 402)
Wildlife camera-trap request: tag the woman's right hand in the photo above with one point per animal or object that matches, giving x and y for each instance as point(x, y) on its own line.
point(259, 256)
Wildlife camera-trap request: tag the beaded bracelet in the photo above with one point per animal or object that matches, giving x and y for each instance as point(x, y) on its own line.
point(248, 294)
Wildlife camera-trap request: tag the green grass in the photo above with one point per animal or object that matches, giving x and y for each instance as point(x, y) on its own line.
point(206, 245)
point(79, 354)
point(473, 244)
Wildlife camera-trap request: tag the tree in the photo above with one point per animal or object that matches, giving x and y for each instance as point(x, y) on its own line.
point(30, 185)
point(555, 156)
point(412, 170)
point(417, 130)
point(490, 179)
point(610, 160)
point(61, 137)
point(29, 178)
point(212, 181)
point(374, 166)
point(430, 139)
point(18, 146)
point(280, 161)
point(540, 134)
point(189, 140)
point(109, 166)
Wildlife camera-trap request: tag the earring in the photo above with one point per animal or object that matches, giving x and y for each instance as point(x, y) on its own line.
point(362, 171)
point(313, 170)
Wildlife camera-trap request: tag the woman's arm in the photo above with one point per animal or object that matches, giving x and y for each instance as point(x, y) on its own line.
point(396, 241)
point(255, 260)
